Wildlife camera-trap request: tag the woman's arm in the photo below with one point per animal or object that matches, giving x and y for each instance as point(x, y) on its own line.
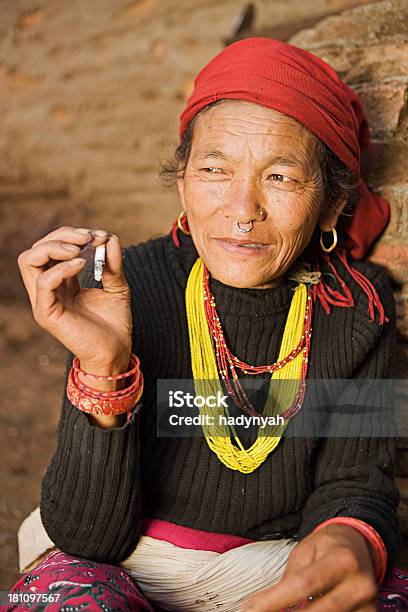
point(90, 494)
point(354, 476)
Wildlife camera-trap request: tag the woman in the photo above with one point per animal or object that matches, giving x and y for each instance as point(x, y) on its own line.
point(260, 276)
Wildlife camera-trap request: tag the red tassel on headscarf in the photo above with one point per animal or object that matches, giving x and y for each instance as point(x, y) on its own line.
point(368, 288)
point(332, 297)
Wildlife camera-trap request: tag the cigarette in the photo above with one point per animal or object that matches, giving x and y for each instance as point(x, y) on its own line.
point(99, 262)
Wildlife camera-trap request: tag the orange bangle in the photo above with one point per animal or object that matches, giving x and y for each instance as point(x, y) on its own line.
point(371, 536)
point(133, 361)
point(106, 394)
point(103, 405)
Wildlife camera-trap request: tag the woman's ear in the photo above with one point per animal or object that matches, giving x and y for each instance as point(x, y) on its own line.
point(180, 189)
point(330, 214)
point(181, 184)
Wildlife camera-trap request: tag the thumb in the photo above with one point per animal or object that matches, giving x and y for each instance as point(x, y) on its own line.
point(302, 556)
point(113, 278)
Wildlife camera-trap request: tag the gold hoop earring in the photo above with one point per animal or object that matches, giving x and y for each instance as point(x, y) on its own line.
point(180, 223)
point(333, 245)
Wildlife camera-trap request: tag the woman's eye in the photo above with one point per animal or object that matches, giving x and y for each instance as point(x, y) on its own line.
point(279, 178)
point(212, 170)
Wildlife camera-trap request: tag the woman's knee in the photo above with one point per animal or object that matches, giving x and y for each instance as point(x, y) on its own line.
point(69, 581)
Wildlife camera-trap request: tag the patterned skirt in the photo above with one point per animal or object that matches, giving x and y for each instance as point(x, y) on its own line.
point(65, 583)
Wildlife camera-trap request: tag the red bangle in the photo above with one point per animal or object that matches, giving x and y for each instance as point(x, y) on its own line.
point(133, 361)
point(371, 535)
point(103, 405)
point(106, 394)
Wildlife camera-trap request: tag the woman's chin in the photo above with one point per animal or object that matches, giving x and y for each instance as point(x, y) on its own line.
point(242, 269)
point(244, 277)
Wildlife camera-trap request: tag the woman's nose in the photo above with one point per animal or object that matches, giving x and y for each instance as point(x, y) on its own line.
point(243, 201)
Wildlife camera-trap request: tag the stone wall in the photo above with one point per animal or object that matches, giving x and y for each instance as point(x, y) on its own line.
point(368, 46)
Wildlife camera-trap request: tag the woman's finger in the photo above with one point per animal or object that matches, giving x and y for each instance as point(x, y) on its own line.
point(113, 278)
point(32, 263)
point(47, 307)
point(67, 234)
point(72, 286)
point(81, 236)
point(55, 249)
point(355, 593)
point(319, 577)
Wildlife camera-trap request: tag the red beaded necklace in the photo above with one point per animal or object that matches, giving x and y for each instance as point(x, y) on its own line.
point(228, 363)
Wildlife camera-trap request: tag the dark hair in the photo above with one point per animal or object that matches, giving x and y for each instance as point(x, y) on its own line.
point(338, 180)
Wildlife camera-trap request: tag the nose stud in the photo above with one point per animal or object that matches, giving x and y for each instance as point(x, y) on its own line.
point(244, 230)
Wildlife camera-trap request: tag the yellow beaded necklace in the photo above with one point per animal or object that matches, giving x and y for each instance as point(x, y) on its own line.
point(207, 382)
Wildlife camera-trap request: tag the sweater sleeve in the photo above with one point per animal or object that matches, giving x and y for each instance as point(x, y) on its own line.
point(354, 476)
point(90, 494)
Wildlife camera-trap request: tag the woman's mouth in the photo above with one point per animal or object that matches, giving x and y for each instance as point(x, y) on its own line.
point(243, 247)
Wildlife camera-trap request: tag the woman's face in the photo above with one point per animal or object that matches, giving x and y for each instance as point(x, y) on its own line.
point(251, 163)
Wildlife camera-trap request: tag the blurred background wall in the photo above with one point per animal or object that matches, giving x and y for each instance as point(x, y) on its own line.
point(90, 94)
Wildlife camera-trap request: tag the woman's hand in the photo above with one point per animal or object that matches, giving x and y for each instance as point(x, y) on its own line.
point(94, 324)
point(336, 562)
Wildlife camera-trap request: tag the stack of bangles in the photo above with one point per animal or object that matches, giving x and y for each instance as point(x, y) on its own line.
point(106, 403)
point(371, 536)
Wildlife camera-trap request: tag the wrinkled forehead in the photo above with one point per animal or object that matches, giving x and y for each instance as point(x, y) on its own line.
point(231, 127)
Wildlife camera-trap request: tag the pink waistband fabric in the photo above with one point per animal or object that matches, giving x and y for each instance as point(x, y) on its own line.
point(195, 539)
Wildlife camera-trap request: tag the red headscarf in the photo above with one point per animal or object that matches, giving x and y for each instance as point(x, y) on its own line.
point(295, 82)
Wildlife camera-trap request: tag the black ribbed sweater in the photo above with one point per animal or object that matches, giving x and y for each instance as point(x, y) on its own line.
point(102, 482)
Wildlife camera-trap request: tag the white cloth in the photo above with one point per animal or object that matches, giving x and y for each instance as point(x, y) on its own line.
point(33, 541)
point(185, 580)
point(179, 578)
